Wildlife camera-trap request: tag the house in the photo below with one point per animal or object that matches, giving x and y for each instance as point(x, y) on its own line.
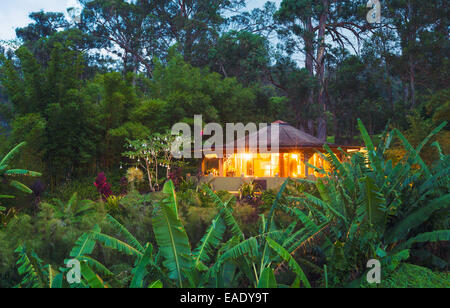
point(266, 167)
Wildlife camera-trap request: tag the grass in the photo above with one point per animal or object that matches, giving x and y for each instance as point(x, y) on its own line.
point(414, 276)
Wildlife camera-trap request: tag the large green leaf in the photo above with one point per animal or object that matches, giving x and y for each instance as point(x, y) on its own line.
point(30, 267)
point(83, 246)
point(92, 279)
point(210, 241)
point(435, 236)
point(156, 285)
point(275, 206)
point(57, 282)
point(375, 203)
point(171, 237)
point(293, 265)
point(97, 266)
point(414, 155)
point(6, 197)
point(248, 248)
point(428, 138)
point(21, 172)
point(226, 213)
point(21, 187)
point(9, 156)
point(116, 244)
point(130, 239)
point(141, 269)
point(267, 279)
point(416, 218)
point(169, 191)
point(324, 205)
point(374, 159)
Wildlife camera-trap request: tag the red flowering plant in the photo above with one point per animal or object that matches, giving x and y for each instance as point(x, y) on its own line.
point(103, 187)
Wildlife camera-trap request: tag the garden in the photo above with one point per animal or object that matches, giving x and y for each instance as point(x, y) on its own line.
point(92, 194)
point(308, 234)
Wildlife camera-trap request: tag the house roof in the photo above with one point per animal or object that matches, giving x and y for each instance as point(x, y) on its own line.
point(289, 139)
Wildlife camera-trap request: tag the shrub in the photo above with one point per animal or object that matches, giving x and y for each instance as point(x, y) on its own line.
point(103, 187)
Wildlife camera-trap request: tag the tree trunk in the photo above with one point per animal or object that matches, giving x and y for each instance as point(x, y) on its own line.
point(156, 172)
point(309, 65)
point(149, 176)
point(412, 80)
point(411, 65)
point(322, 123)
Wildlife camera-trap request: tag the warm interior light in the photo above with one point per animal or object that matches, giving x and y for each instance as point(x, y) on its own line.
point(248, 156)
point(211, 156)
point(252, 164)
point(294, 156)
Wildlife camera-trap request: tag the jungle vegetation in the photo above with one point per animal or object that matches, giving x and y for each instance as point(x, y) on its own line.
point(85, 104)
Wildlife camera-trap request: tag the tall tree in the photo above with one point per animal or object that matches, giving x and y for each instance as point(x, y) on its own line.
point(130, 30)
point(194, 25)
point(241, 54)
point(422, 27)
point(44, 25)
point(309, 27)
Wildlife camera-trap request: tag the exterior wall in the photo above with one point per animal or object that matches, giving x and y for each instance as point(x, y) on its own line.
point(232, 184)
point(291, 164)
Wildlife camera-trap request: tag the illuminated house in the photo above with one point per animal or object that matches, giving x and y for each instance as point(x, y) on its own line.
point(269, 169)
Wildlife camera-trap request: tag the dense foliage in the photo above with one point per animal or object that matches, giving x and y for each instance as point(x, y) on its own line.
point(88, 105)
point(313, 234)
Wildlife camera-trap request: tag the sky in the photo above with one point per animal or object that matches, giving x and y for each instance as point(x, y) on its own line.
point(14, 14)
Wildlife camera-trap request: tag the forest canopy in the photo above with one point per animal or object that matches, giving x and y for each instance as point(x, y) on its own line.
point(87, 104)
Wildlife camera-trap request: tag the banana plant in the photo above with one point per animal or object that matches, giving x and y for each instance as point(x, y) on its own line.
point(369, 208)
point(74, 210)
point(257, 257)
point(35, 273)
point(214, 262)
point(5, 172)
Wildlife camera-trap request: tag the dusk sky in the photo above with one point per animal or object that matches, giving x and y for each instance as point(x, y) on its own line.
point(14, 14)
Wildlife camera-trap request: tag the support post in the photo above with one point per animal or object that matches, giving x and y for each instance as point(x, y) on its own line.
point(281, 166)
point(203, 166)
point(306, 156)
point(221, 167)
